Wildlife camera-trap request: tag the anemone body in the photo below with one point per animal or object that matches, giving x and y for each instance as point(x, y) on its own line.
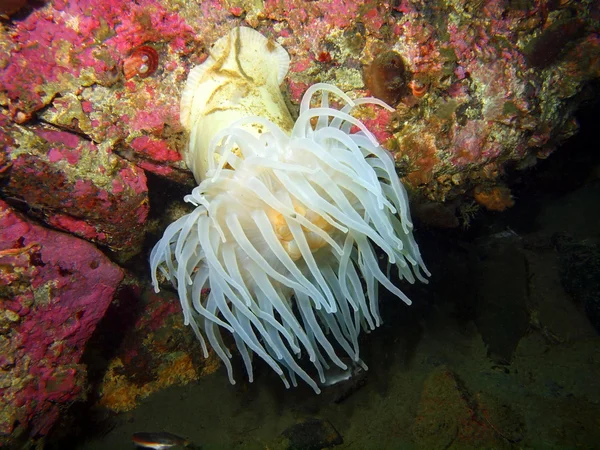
point(287, 222)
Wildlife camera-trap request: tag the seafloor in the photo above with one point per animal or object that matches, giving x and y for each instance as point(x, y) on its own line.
point(497, 352)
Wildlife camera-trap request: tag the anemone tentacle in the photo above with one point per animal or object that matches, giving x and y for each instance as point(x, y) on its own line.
point(284, 228)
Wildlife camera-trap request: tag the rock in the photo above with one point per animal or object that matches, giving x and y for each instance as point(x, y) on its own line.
point(63, 63)
point(77, 186)
point(502, 285)
point(311, 434)
point(448, 416)
point(153, 349)
point(580, 274)
point(472, 106)
point(54, 289)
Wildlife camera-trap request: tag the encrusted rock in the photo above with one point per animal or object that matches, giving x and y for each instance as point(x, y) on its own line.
point(54, 289)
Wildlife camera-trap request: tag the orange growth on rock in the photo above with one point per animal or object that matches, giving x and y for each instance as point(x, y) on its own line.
point(496, 198)
point(421, 153)
point(120, 393)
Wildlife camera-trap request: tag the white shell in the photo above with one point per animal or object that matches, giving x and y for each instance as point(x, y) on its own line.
point(240, 78)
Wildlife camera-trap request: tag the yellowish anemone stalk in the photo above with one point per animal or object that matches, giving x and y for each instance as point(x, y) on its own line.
point(287, 217)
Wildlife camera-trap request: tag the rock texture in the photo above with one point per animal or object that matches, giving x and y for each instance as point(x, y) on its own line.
point(54, 289)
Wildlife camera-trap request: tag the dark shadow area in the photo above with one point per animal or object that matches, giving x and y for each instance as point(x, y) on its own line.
point(162, 194)
point(84, 420)
point(18, 10)
point(567, 169)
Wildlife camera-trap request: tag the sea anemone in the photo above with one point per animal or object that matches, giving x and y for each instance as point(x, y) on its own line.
point(281, 245)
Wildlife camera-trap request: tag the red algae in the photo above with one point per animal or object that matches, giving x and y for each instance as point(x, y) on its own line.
point(75, 226)
point(158, 169)
point(469, 142)
point(377, 120)
point(60, 137)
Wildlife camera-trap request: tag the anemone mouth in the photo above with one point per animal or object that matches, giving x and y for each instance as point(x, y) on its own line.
point(284, 233)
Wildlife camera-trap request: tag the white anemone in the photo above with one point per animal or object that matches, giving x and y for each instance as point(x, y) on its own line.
point(281, 250)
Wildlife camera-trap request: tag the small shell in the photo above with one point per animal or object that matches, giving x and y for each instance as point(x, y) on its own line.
point(143, 62)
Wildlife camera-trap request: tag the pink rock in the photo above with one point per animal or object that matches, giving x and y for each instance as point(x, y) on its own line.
point(157, 150)
point(64, 48)
point(55, 290)
point(63, 63)
point(74, 186)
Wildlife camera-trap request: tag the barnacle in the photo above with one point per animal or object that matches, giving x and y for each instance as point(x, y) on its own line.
point(143, 62)
point(418, 87)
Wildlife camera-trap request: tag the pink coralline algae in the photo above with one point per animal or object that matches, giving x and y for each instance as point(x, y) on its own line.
point(76, 186)
point(472, 91)
point(469, 66)
point(58, 45)
point(55, 289)
point(66, 58)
